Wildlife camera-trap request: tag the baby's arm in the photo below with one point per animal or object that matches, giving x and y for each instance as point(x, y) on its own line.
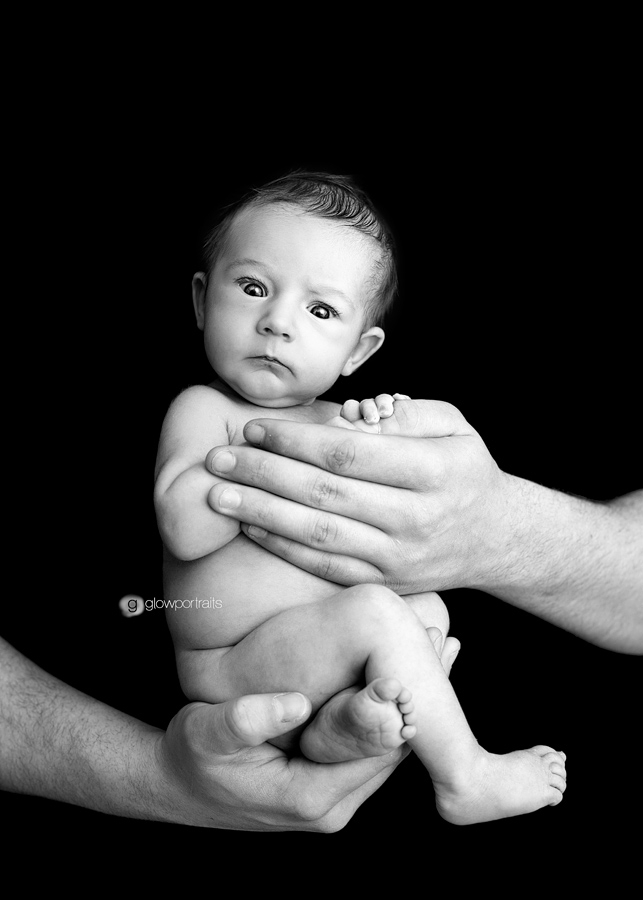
point(189, 527)
point(369, 412)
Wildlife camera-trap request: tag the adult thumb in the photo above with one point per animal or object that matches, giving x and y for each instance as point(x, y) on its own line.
point(248, 721)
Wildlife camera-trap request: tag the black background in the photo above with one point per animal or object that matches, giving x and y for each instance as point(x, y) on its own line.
point(519, 277)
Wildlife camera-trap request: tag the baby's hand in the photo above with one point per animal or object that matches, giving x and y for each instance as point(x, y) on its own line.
point(371, 410)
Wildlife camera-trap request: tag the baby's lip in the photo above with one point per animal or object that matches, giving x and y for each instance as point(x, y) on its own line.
point(274, 359)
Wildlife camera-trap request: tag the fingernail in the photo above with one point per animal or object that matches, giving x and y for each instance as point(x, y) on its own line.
point(289, 707)
point(254, 433)
point(223, 461)
point(230, 499)
point(255, 531)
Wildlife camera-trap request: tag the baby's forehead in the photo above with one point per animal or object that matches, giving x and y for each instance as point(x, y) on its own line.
point(271, 226)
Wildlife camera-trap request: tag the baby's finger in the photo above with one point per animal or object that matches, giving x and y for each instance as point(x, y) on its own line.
point(369, 411)
point(350, 411)
point(384, 405)
point(401, 397)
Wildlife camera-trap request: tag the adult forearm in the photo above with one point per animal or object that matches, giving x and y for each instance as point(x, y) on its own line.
point(57, 742)
point(575, 563)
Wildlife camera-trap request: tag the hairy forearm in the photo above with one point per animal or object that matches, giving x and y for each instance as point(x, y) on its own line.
point(575, 563)
point(57, 742)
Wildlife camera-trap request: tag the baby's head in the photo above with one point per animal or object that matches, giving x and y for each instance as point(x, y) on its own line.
point(299, 275)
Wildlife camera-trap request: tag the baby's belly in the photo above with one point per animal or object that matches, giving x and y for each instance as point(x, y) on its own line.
point(219, 599)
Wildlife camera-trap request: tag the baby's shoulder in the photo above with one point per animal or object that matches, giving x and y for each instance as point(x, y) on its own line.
point(199, 399)
point(202, 407)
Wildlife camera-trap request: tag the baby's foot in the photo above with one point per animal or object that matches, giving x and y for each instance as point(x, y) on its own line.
point(501, 786)
point(361, 723)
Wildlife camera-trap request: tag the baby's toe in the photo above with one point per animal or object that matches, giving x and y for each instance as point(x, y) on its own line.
point(385, 688)
point(404, 696)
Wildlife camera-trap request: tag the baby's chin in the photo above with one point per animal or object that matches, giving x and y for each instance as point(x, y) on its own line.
point(267, 401)
point(277, 402)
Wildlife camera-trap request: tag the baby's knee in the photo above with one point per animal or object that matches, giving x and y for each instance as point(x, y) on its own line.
point(374, 605)
point(430, 610)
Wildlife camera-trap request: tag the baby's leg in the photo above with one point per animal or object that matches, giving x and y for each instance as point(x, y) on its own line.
point(353, 724)
point(431, 611)
point(310, 647)
point(321, 648)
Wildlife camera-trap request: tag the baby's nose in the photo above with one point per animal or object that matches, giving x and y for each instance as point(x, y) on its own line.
point(277, 321)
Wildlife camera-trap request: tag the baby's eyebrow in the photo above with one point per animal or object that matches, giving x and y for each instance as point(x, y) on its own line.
point(323, 290)
point(246, 261)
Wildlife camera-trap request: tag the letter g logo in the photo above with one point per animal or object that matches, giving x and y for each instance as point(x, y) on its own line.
point(131, 605)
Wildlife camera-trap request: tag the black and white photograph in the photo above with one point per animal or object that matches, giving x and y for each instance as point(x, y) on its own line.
point(325, 501)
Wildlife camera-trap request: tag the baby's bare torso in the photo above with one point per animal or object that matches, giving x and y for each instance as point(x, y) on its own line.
point(217, 600)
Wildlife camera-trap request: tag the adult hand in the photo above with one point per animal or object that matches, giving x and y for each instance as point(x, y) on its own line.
point(228, 777)
point(210, 768)
point(414, 513)
point(423, 506)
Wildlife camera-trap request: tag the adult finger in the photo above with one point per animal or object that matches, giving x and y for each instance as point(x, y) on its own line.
point(226, 728)
point(280, 480)
point(316, 528)
point(335, 567)
point(330, 794)
point(394, 460)
point(268, 790)
point(335, 455)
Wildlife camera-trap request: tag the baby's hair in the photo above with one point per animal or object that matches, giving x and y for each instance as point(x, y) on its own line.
point(329, 196)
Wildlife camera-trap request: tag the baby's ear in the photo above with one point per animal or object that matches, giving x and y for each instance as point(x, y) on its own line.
point(199, 288)
point(369, 343)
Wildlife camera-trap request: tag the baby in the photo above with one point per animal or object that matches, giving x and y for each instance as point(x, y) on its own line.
point(299, 274)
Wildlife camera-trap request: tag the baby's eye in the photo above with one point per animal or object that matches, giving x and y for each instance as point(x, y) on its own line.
point(322, 311)
point(253, 289)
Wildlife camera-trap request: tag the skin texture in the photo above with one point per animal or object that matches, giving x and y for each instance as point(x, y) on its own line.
point(284, 313)
point(210, 768)
point(441, 514)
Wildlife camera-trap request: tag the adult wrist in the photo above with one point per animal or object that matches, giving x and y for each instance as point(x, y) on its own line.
point(511, 560)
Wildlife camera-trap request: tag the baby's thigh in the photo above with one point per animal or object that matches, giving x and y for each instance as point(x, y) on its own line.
point(318, 648)
point(296, 649)
point(430, 610)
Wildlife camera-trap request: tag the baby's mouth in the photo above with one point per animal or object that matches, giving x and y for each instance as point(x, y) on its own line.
point(274, 361)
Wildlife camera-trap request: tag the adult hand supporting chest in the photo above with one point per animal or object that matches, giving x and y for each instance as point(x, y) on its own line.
point(423, 506)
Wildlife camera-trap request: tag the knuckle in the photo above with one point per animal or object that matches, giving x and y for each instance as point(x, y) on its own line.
point(327, 567)
point(261, 515)
point(240, 719)
point(260, 471)
point(323, 490)
point(340, 456)
point(323, 530)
